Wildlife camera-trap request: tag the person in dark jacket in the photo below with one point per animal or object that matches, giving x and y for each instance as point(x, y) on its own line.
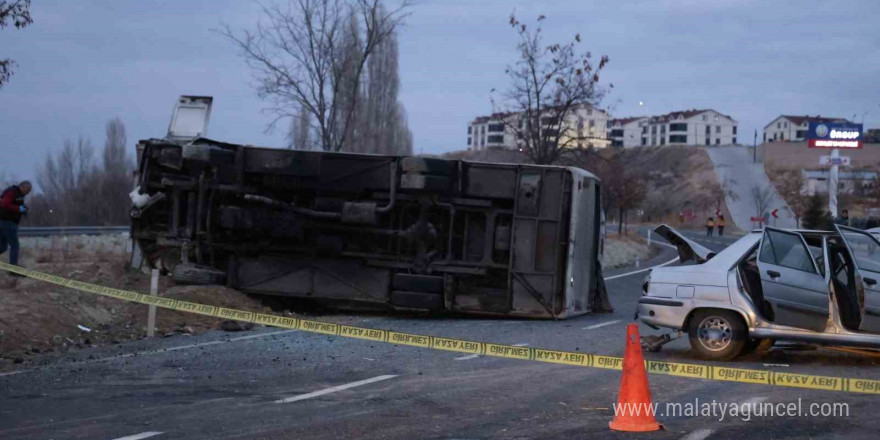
point(843, 219)
point(12, 207)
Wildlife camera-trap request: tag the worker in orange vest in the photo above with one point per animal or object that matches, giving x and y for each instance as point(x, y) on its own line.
point(710, 226)
point(720, 224)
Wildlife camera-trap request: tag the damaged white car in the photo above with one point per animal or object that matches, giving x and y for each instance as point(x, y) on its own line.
point(773, 284)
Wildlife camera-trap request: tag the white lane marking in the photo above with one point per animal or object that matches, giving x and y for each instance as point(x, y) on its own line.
point(602, 324)
point(163, 350)
point(522, 344)
point(336, 388)
point(467, 357)
point(700, 434)
point(642, 270)
point(140, 436)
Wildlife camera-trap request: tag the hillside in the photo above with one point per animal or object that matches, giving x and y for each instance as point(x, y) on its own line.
point(751, 192)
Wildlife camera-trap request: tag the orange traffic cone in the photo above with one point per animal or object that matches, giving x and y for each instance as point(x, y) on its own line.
point(634, 410)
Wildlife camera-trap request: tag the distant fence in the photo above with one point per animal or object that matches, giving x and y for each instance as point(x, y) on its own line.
point(46, 231)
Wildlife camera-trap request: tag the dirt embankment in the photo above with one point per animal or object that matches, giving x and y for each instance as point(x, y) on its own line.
point(621, 250)
point(681, 186)
point(38, 317)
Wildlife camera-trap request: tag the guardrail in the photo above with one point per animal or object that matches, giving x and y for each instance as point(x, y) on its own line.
point(46, 231)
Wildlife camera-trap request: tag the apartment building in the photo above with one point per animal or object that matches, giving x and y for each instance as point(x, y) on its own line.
point(625, 132)
point(585, 124)
point(688, 127)
point(794, 128)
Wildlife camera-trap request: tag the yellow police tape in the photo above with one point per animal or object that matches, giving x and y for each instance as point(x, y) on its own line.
point(697, 371)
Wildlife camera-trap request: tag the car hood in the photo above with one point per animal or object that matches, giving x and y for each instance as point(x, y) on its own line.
point(688, 250)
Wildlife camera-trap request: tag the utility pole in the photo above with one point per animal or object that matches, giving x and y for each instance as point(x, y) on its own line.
point(832, 183)
point(755, 148)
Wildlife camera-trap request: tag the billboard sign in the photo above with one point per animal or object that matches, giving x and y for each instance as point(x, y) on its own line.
point(834, 135)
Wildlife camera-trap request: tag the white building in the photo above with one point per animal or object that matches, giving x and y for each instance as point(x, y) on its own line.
point(688, 127)
point(849, 182)
point(625, 132)
point(794, 128)
point(587, 126)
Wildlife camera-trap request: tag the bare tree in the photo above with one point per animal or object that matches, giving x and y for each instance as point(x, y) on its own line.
point(762, 196)
point(115, 178)
point(77, 191)
point(311, 55)
point(402, 138)
point(623, 188)
point(299, 136)
point(64, 180)
point(549, 83)
point(18, 14)
point(385, 129)
point(349, 102)
point(722, 191)
point(790, 185)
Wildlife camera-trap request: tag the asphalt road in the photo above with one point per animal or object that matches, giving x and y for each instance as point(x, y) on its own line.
point(272, 384)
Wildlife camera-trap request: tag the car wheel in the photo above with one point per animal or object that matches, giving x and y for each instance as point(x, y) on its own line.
point(718, 335)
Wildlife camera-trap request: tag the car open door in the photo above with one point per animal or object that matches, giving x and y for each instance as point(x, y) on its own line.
point(687, 248)
point(791, 282)
point(865, 250)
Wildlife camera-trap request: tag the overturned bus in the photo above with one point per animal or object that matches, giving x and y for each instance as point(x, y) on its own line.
point(406, 233)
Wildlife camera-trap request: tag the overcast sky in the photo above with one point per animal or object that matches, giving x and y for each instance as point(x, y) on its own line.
point(84, 62)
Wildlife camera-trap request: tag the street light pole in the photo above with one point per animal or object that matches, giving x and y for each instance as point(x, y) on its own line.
point(755, 148)
point(832, 183)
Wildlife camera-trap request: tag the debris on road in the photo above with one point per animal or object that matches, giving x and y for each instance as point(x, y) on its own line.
point(235, 326)
point(654, 343)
